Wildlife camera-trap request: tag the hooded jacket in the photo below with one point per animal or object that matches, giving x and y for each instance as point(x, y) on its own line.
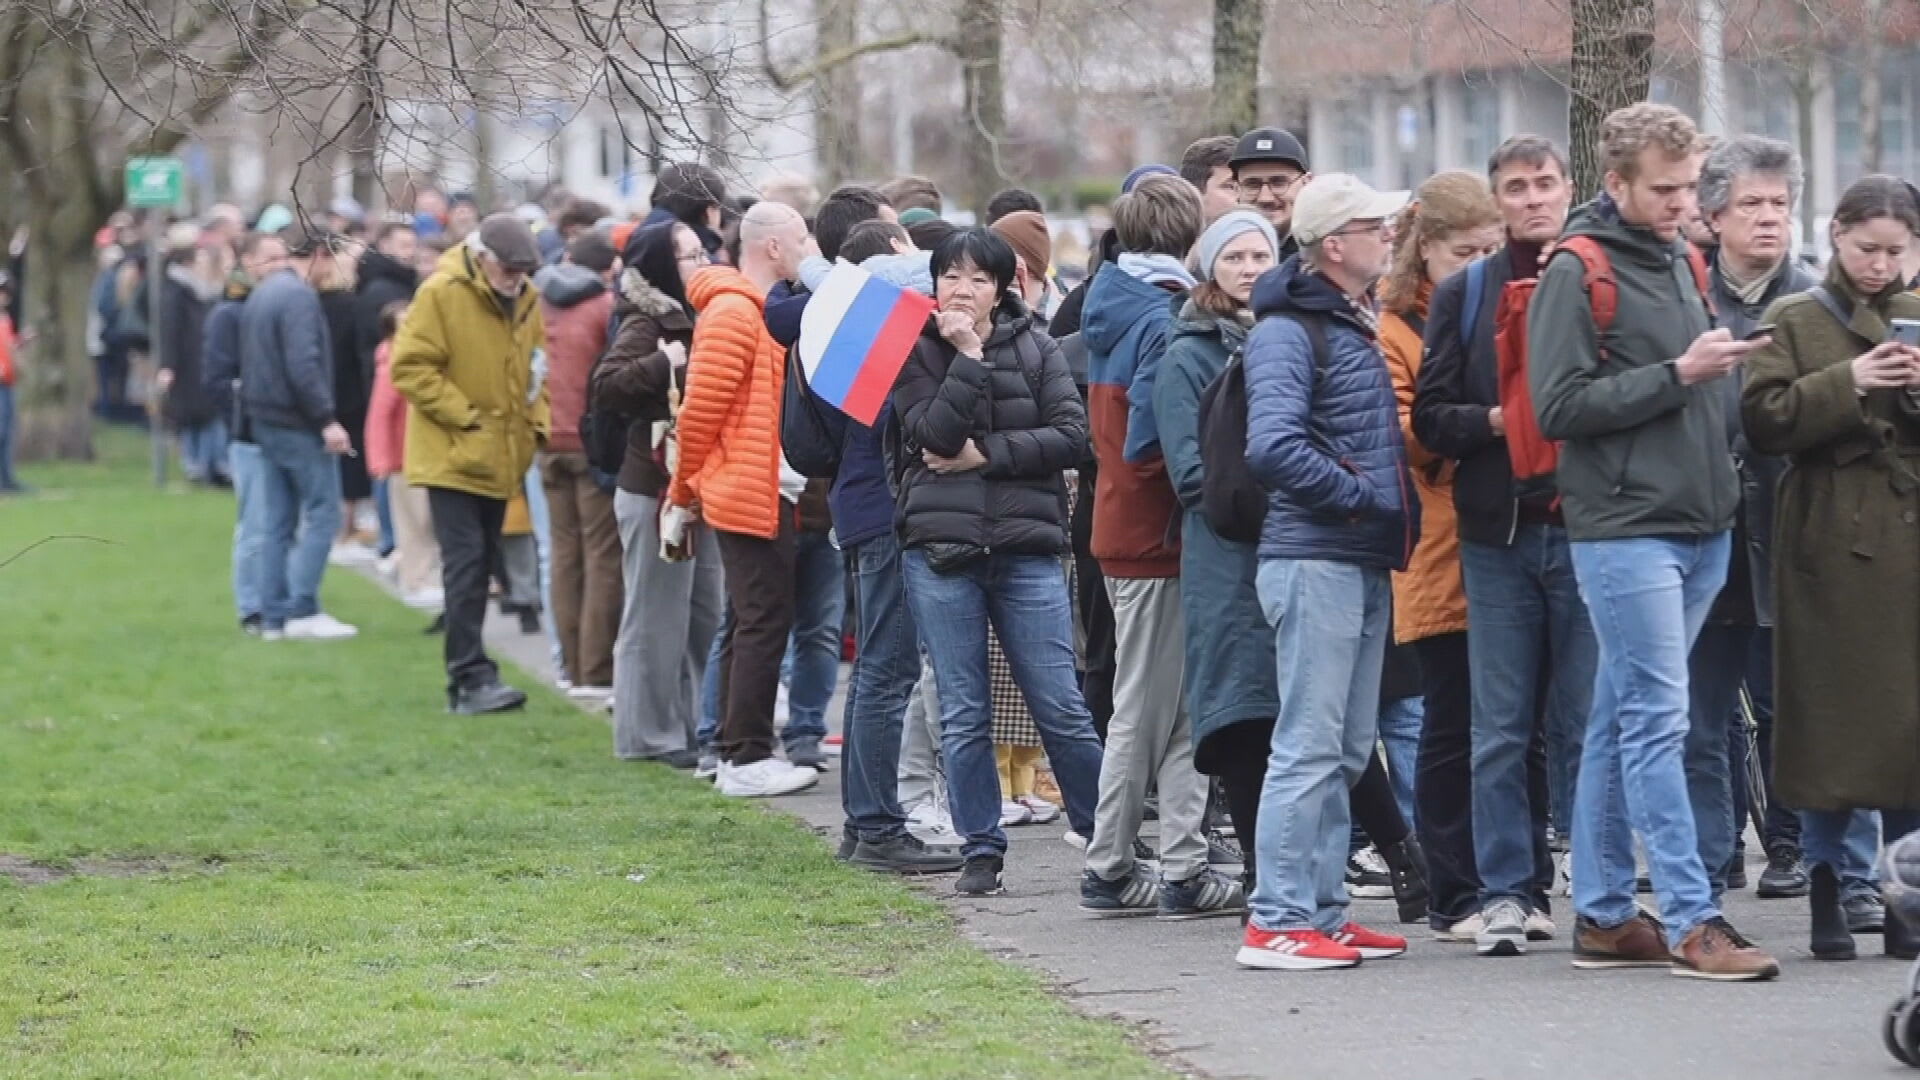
point(1229, 659)
point(382, 280)
point(464, 360)
point(220, 357)
point(1018, 404)
point(1640, 454)
point(730, 424)
point(1136, 519)
point(1430, 597)
point(1325, 440)
point(634, 378)
point(575, 305)
point(286, 355)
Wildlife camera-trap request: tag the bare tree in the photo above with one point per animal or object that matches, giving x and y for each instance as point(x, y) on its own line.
point(1237, 29)
point(85, 86)
point(1612, 68)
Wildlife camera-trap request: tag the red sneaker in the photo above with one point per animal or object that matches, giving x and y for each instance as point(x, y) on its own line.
point(1294, 950)
point(1371, 944)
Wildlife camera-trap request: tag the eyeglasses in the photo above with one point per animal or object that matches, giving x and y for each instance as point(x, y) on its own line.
point(1378, 228)
point(692, 258)
point(1276, 184)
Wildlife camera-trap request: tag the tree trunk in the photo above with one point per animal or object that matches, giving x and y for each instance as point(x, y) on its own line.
point(979, 49)
point(1872, 54)
point(836, 94)
point(1237, 27)
point(56, 375)
point(1612, 68)
point(363, 139)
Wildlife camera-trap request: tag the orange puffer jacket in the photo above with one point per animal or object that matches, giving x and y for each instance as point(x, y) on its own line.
point(730, 420)
point(1429, 597)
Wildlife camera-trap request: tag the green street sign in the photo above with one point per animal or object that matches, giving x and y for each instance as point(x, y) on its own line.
point(155, 182)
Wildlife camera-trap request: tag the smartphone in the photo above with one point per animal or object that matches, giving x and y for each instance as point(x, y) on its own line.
point(1906, 331)
point(1758, 332)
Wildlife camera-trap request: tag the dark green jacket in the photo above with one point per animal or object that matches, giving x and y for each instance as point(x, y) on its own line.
point(1640, 454)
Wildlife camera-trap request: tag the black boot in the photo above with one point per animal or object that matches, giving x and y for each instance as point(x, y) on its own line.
point(1408, 867)
point(1831, 938)
point(1900, 941)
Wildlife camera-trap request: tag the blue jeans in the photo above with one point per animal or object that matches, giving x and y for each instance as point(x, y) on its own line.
point(886, 667)
point(709, 727)
point(300, 489)
point(813, 652)
point(1024, 599)
point(7, 479)
point(246, 467)
point(1715, 669)
point(1849, 841)
point(536, 493)
point(383, 509)
point(1649, 597)
point(1531, 655)
point(203, 450)
point(1400, 724)
point(1330, 623)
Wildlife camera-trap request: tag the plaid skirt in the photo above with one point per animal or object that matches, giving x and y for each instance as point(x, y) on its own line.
point(1012, 722)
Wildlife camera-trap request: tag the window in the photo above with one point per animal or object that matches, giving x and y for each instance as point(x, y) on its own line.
point(1479, 121)
point(1353, 133)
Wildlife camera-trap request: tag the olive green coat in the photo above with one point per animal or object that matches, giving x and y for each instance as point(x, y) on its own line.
point(1846, 555)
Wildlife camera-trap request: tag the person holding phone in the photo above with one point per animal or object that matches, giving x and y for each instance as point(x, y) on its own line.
point(1835, 391)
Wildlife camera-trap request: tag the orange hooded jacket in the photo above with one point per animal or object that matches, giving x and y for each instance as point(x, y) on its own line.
point(730, 421)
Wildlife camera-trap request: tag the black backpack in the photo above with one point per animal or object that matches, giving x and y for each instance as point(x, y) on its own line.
point(1234, 502)
point(603, 435)
point(811, 431)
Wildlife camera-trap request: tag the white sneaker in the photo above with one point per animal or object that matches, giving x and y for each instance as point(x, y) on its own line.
point(433, 598)
point(1539, 927)
point(273, 635)
point(1075, 840)
point(589, 693)
point(1012, 813)
point(1463, 931)
point(928, 821)
point(321, 627)
point(352, 554)
point(1044, 812)
point(764, 779)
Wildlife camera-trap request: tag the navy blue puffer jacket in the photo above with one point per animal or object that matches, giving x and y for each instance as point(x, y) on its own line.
point(1325, 441)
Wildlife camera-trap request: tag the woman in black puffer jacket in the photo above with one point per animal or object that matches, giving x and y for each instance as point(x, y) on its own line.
point(985, 421)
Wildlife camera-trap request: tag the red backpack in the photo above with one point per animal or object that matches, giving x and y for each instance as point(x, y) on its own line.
point(1534, 456)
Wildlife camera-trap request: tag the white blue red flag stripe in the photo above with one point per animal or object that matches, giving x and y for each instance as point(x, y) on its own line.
point(856, 335)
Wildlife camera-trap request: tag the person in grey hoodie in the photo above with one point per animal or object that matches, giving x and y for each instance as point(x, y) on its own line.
point(286, 387)
point(1649, 491)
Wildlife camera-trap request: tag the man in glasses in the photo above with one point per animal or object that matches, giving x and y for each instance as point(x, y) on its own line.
point(1269, 167)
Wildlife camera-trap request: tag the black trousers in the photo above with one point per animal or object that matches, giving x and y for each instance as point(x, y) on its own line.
point(468, 529)
point(1237, 754)
point(1443, 778)
point(1375, 811)
point(760, 590)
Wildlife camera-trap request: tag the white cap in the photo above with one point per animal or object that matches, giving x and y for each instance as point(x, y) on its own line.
point(1329, 202)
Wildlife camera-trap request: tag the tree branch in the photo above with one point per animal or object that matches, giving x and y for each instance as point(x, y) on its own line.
point(786, 82)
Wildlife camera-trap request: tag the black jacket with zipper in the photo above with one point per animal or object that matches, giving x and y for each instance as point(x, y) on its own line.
point(1018, 404)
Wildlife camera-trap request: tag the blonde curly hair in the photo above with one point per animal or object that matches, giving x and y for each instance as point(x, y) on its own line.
point(1627, 132)
point(1447, 203)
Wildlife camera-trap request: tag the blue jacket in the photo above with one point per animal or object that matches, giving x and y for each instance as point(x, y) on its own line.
point(286, 355)
point(220, 358)
point(1125, 323)
point(1325, 443)
point(860, 501)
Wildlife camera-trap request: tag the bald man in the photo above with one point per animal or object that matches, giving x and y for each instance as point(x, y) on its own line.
point(732, 478)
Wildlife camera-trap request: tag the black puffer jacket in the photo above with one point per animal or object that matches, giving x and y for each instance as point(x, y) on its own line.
point(1019, 406)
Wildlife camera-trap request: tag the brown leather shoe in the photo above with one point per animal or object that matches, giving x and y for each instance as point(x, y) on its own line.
point(1639, 942)
point(1715, 950)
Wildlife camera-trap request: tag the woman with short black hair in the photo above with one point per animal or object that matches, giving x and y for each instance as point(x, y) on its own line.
point(986, 419)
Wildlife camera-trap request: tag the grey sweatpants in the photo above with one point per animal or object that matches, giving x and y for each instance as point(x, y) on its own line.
point(920, 743)
point(1149, 735)
point(667, 623)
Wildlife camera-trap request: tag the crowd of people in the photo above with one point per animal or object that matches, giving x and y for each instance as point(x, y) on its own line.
point(1432, 548)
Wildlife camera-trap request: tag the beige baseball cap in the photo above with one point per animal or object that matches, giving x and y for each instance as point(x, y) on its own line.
point(1329, 202)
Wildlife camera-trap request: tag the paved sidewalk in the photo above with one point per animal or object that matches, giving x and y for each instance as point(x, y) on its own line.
point(1437, 1013)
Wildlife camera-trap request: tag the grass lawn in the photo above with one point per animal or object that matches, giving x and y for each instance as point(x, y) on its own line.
point(286, 861)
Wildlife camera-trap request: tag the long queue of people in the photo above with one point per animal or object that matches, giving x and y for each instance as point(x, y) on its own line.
point(1374, 546)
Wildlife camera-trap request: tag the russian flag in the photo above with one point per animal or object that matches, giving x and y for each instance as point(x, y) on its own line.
point(856, 335)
